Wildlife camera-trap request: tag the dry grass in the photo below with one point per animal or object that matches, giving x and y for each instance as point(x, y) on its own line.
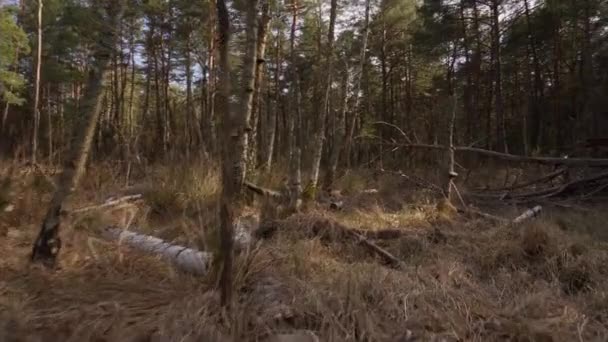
point(463, 280)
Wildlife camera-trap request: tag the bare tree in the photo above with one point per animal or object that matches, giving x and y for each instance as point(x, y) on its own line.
point(48, 243)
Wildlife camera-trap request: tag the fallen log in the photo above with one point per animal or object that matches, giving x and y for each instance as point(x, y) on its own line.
point(264, 191)
point(590, 162)
point(186, 259)
point(528, 214)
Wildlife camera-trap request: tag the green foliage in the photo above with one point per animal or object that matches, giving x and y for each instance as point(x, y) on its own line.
point(12, 44)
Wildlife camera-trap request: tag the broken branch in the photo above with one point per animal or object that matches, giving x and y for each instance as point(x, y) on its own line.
point(591, 162)
point(108, 203)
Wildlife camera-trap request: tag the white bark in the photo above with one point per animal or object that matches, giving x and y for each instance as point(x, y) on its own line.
point(528, 214)
point(184, 258)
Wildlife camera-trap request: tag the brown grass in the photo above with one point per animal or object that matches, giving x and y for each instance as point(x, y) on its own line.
point(462, 280)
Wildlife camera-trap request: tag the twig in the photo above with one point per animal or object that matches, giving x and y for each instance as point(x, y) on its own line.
point(407, 138)
point(388, 257)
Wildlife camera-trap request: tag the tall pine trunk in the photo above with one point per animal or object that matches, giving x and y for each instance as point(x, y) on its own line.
point(36, 129)
point(320, 131)
point(357, 90)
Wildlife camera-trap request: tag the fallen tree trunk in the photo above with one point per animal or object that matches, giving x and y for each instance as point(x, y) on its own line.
point(263, 191)
point(528, 214)
point(186, 259)
point(591, 162)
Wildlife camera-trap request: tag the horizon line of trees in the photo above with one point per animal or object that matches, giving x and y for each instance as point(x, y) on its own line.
point(531, 77)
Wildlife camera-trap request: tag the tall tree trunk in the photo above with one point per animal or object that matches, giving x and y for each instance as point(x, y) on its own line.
point(468, 96)
point(49, 125)
point(535, 115)
point(230, 155)
point(273, 116)
point(259, 72)
point(295, 141)
point(320, 133)
point(48, 243)
point(499, 101)
point(357, 90)
point(190, 115)
point(35, 133)
point(339, 131)
point(248, 82)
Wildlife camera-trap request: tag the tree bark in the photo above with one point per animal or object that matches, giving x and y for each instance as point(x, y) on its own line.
point(295, 136)
point(48, 243)
point(36, 129)
point(339, 131)
point(230, 155)
point(320, 132)
point(248, 83)
point(257, 94)
point(499, 102)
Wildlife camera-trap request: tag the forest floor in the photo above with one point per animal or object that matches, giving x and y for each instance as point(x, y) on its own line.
point(462, 279)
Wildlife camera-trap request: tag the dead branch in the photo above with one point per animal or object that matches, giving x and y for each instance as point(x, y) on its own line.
point(490, 217)
point(111, 202)
point(590, 162)
point(384, 254)
point(405, 136)
point(263, 191)
point(540, 180)
point(562, 189)
point(418, 182)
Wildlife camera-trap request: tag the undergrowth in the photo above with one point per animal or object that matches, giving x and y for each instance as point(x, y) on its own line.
point(461, 280)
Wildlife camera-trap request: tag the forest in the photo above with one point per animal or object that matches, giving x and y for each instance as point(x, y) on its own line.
point(303, 170)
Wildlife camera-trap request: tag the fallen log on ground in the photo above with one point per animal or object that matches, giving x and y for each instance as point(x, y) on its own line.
point(186, 259)
point(264, 191)
point(528, 214)
point(590, 162)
